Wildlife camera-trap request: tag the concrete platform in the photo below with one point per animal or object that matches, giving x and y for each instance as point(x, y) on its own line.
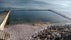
point(22, 31)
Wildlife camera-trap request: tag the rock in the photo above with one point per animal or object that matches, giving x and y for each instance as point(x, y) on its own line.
point(62, 32)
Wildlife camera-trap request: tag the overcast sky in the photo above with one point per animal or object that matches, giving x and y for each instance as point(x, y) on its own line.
point(35, 3)
point(61, 6)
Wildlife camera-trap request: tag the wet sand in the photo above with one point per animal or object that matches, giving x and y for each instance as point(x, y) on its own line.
point(22, 31)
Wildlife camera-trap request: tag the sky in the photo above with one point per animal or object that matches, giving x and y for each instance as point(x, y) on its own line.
point(61, 6)
point(39, 4)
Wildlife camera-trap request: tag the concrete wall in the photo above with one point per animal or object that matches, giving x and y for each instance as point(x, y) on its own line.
point(2, 25)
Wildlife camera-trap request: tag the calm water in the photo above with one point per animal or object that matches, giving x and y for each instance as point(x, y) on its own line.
point(20, 16)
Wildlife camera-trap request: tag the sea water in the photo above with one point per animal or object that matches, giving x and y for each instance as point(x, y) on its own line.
point(21, 16)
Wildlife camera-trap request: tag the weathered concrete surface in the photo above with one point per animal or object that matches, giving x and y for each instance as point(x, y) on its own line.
point(4, 35)
point(2, 16)
point(3, 19)
point(22, 31)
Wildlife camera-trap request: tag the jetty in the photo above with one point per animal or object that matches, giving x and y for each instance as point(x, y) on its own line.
point(3, 20)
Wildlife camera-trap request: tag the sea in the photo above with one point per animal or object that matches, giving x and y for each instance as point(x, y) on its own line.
point(33, 16)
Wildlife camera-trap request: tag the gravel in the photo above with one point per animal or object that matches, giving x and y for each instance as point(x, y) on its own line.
point(21, 31)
